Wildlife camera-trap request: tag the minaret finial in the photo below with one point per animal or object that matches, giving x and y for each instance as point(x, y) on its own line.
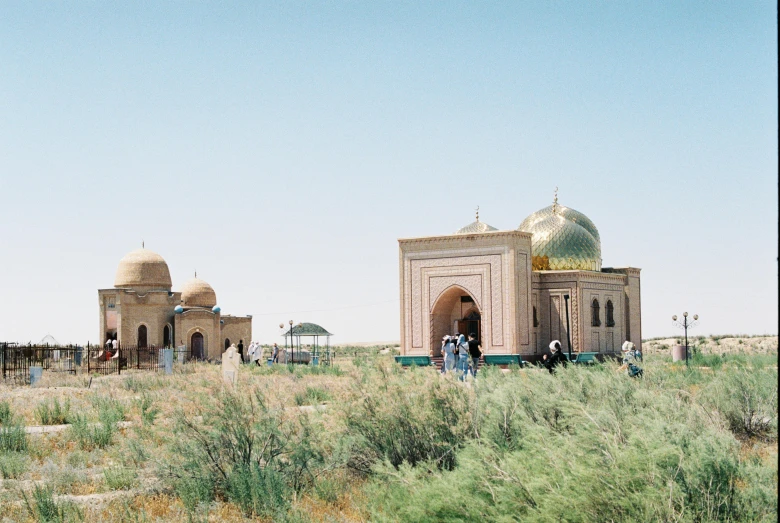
point(477, 212)
point(555, 201)
point(142, 244)
point(196, 273)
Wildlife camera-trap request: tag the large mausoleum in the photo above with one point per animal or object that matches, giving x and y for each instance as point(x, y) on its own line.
point(518, 290)
point(142, 310)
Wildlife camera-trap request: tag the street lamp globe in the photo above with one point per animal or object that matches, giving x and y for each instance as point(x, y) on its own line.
point(695, 316)
point(685, 314)
point(281, 325)
point(674, 318)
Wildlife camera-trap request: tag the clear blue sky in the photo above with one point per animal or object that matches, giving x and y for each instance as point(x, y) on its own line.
point(282, 148)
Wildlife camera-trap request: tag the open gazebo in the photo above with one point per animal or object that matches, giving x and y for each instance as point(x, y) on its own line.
point(310, 330)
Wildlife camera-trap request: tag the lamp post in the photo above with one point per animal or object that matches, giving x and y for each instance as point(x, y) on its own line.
point(685, 325)
point(568, 336)
point(292, 342)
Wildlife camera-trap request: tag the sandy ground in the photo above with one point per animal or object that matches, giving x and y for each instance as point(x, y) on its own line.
point(716, 344)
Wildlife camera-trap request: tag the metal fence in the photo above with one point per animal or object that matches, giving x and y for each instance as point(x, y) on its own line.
point(16, 360)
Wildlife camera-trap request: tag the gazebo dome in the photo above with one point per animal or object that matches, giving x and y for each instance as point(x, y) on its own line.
point(198, 293)
point(563, 239)
point(143, 268)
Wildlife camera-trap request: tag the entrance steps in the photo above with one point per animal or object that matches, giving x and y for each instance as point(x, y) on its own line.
point(437, 361)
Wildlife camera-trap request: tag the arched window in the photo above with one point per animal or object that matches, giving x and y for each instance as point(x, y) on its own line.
point(536, 320)
point(227, 343)
point(595, 319)
point(167, 336)
point(142, 337)
point(610, 314)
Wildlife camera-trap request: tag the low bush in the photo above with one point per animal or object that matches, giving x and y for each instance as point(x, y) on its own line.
point(245, 452)
point(52, 412)
point(46, 509)
point(13, 464)
point(119, 478)
point(13, 438)
point(585, 444)
point(747, 399)
point(5, 413)
point(406, 417)
point(312, 396)
point(98, 435)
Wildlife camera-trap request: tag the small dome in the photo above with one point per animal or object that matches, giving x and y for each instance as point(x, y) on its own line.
point(559, 243)
point(475, 227)
point(198, 293)
point(143, 268)
point(178, 309)
point(216, 309)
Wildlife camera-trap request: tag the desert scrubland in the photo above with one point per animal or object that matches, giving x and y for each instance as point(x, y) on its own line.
point(365, 440)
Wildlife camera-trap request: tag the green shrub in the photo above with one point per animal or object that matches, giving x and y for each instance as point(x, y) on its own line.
point(13, 464)
point(47, 510)
point(13, 438)
point(99, 435)
point(52, 412)
point(108, 406)
point(148, 411)
point(312, 396)
point(585, 444)
point(406, 417)
point(747, 399)
point(119, 478)
point(245, 452)
point(5, 413)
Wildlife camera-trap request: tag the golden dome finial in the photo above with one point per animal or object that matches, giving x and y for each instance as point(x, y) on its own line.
point(555, 201)
point(477, 212)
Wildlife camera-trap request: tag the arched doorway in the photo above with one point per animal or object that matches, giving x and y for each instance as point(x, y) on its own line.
point(197, 345)
point(167, 336)
point(455, 310)
point(227, 343)
point(142, 337)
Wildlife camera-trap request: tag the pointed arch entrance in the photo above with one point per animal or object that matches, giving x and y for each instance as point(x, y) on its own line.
point(454, 311)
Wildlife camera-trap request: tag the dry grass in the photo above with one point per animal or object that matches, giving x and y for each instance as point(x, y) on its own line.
point(78, 475)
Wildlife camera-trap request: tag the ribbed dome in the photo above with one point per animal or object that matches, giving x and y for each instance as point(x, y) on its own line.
point(198, 293)
point(559, 243)
point(143, 269)
point(567, 212)
point(475, 227)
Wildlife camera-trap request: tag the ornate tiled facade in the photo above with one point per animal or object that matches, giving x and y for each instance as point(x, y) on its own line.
point(448, 281)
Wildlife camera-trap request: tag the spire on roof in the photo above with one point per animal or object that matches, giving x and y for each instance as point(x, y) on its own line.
point(555, 201)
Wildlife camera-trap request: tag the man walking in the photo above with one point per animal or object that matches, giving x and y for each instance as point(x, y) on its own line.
point(275, 354)
point(475, 352)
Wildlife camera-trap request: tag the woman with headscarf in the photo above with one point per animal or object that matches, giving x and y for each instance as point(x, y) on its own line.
point(463, 356)
point(448, 349)
point(556, 358)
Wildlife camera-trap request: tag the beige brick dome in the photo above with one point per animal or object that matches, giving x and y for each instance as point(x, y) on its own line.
point(198, 293)
point(143, 269)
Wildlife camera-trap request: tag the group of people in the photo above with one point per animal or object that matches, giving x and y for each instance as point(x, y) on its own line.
point(461, 355)
point(632, 358)
point(254, 353)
